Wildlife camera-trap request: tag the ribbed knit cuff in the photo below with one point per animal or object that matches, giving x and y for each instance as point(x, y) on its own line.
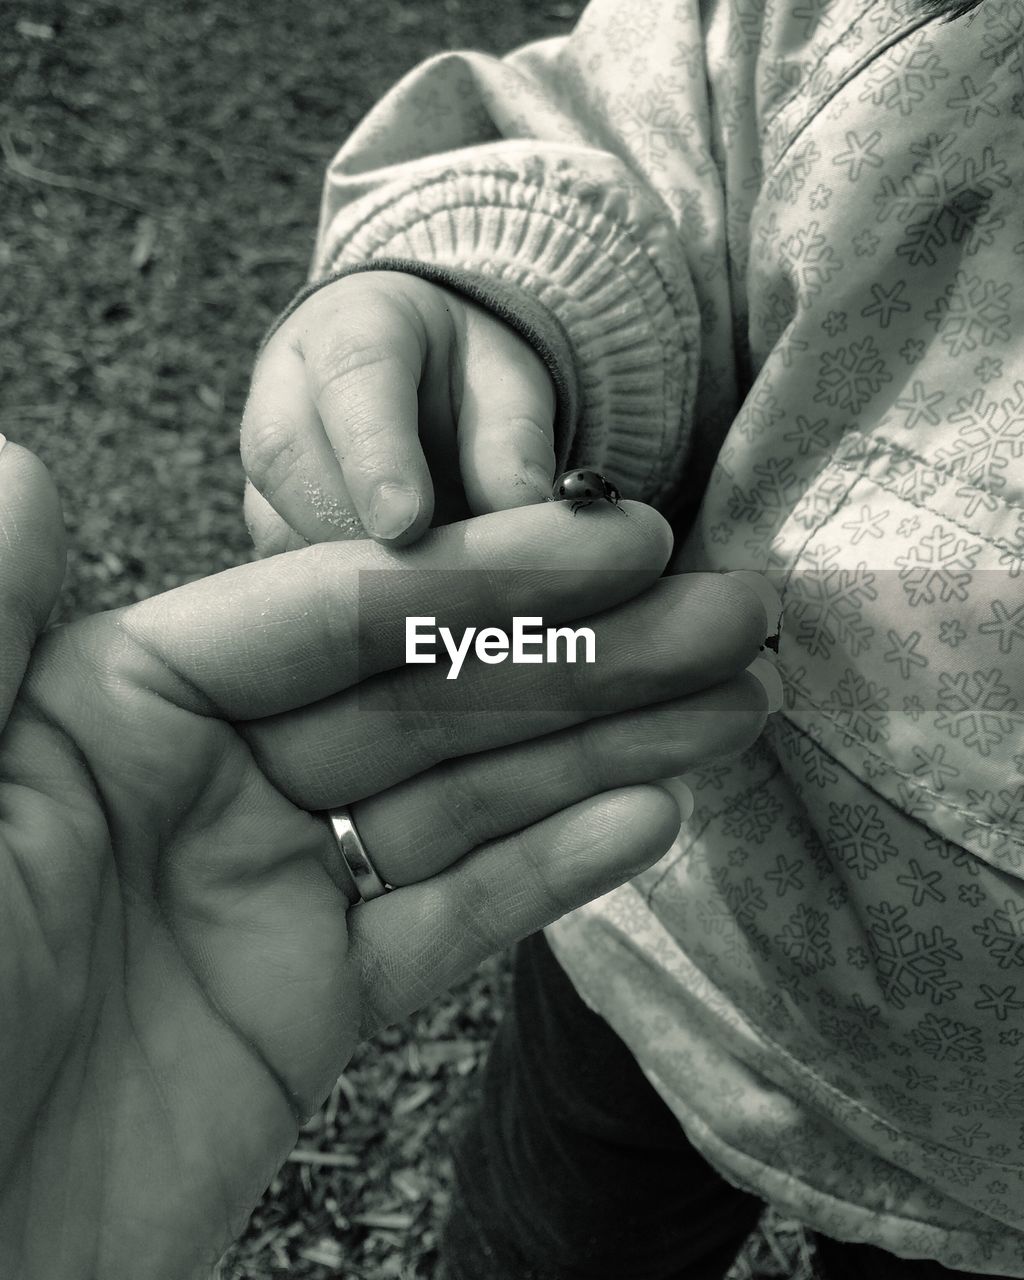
point(579, 238)
point(517, 308)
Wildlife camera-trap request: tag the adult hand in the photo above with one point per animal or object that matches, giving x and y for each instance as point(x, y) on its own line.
point(181, 975)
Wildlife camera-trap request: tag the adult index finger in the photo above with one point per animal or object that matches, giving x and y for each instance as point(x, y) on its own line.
point(284, 632)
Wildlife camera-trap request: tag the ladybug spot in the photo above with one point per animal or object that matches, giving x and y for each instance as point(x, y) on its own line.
point(579, 475)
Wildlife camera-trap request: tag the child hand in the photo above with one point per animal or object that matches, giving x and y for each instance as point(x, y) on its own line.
point(386, 403)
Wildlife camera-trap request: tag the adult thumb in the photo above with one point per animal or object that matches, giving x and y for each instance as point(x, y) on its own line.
point(506, 416)
point(32, 552)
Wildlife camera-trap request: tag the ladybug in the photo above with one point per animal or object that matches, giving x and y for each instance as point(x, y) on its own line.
point(584, 487)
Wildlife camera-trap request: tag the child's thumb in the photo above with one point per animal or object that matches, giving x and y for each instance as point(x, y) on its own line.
point(32, 552)
point(506, 417)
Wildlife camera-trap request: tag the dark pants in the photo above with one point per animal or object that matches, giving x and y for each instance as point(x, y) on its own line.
point(572, 1168)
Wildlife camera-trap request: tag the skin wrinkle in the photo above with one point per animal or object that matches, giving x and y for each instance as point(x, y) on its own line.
point(100, 1131)
point(195, 700)
point(296, 1106)
point(333, 366)
point(6, 1172)
point(540, 855)
point(335, 361)
point(151, 1072)
point(70, 1046)
point(30, 713)
point(263, 457)
point(340, 625)
point(35, 915)
point(463, 803)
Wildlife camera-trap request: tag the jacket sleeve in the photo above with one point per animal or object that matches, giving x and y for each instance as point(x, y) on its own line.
point(505, 179)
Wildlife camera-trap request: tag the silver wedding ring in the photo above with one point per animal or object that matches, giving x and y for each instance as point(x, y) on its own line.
point(353, 855)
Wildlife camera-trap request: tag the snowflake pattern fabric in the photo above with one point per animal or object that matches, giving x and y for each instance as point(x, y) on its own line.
point(824, 977)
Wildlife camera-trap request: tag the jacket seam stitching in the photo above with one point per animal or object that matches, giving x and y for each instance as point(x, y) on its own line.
point(883, 45)
point(802, 87)
point(832, 511)
point(892, 768)
point(907, 777)
point(861, 472)
point(922, 505)
point(894, 447)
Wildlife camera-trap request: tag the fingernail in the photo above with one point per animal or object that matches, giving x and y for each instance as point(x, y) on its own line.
point(540, 479)
point(3, 441)
point(768, 597)
point(681, 794)
point(393, 509)
point(766, 671)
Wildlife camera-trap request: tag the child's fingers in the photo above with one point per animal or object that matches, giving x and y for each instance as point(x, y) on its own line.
point(506, 418)
point(366, 342)
point(269, 532)
point(288, 458)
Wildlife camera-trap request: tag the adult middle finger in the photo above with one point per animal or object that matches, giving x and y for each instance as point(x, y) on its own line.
point(685, 634)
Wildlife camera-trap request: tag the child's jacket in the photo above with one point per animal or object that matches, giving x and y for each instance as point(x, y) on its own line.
point(775, 253)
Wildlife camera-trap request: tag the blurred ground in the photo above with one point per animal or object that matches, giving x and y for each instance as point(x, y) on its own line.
point(160, 169)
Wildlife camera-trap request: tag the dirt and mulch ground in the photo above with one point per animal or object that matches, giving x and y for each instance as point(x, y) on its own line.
point(160, 168)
